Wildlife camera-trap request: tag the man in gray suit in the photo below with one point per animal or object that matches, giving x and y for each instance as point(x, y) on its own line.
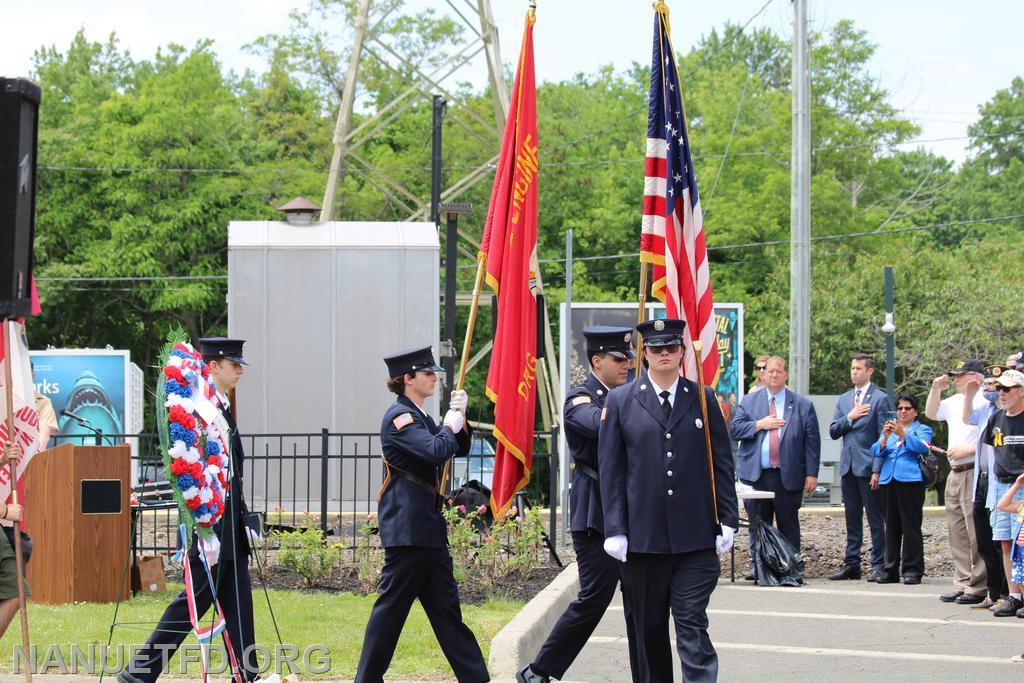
point(780, 448)
point(860, 415)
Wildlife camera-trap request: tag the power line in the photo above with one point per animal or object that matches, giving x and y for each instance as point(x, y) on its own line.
point(132, 278)
point(544, 164)
point(820, 238)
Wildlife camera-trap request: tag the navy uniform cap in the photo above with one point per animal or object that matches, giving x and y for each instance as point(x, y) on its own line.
point(994, 371)
point(662, 332)
point(215, 348)
point(615, 341)
point(411, 360)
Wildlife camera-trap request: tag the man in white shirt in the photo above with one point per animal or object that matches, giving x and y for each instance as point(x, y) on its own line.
point(969, 583)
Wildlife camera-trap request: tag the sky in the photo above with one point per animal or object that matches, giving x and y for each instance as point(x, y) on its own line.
point(939, 59)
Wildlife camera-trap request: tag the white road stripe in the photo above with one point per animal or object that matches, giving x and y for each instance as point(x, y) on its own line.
point(871, 654)
point(991, 623)
point(830, 591)
point(837, 652)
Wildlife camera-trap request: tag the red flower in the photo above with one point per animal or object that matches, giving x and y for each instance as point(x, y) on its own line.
point(196, 470)
point(180, 416)
point(193, 502)
point(179, 467)
point(175, 374)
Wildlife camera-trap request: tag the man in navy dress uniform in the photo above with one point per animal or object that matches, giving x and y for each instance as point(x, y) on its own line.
point(417, 564)
point(610, 352)
point(229, 565)
point(661, 516)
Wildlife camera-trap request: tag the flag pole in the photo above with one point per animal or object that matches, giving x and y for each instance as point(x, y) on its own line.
point(707, 425)
point(19, 561)
point(481, 261)
point(642, 297)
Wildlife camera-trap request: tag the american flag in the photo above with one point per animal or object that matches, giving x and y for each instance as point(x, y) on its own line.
point(672, 236)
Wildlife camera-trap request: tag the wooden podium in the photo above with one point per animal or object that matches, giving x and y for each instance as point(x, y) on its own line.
point(77, 512)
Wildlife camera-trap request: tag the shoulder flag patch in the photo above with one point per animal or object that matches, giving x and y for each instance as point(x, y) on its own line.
point(604, 413)
point(402, 420)
point(580, 400)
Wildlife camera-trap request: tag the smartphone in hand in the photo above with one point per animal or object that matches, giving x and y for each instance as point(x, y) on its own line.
point(891, 417)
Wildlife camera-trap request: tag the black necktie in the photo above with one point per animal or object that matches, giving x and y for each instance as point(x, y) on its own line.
point(665, 405)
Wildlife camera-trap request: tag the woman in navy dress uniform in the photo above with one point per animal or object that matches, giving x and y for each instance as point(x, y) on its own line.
point(659, 511)
point(417, 564)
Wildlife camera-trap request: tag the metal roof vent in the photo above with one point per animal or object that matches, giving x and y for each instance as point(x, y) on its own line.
point(299, 211)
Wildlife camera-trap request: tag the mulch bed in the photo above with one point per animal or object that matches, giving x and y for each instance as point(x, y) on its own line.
point(823, 537)
point(511, 587)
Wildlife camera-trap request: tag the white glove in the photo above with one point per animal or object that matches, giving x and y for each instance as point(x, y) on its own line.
point(455, 420)
point(616, 547)
point(724, 542)
point(211, 550)
point(459, 400)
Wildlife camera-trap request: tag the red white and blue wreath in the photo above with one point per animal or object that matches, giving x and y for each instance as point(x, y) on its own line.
point(195, 450)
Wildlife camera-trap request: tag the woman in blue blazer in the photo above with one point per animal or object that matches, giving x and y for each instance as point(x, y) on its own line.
point(895, 467)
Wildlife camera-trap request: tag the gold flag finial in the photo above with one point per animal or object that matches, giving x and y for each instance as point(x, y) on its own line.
point(661, 8)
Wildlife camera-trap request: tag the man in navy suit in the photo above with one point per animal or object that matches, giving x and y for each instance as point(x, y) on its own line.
point(860, 415)
point(662, 517)
point(610, 352)
point(780, 447)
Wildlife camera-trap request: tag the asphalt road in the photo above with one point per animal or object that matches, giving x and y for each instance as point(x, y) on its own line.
point(835, 632)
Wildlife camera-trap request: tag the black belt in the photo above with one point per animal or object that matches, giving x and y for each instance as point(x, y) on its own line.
point(414, 478)
point(586, 469)
point(962, 468)
point(1008, 480)
point(408, 476)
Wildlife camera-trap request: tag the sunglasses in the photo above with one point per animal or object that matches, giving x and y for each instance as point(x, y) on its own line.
point(760, 367)
point(1006, 389)
point(668, 348)
point(903, 409)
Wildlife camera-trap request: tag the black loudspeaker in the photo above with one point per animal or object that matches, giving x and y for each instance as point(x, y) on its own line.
point(19, 138)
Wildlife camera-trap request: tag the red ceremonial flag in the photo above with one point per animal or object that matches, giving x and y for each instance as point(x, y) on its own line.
point(672, 235)
point(509, 244)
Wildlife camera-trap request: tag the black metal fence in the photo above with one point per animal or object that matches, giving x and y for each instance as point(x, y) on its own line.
point(327, 480)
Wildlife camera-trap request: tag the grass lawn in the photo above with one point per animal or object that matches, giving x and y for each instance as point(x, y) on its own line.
point(336, 621)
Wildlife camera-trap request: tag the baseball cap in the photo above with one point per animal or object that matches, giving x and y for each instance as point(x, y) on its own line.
point(967, 365)
point(1011, 378)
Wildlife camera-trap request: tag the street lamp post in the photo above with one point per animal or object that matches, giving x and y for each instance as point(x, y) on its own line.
point(889, 328)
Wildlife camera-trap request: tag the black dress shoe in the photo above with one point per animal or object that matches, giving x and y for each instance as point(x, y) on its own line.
point(528, 675)
point(911, 580)
point(950, 597)
point(847, 572)
point(968, 599)
point(878, 576)
point(1009, 607)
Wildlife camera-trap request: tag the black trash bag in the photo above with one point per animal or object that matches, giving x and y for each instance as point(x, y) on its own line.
point(776, 561)
point(473, 494)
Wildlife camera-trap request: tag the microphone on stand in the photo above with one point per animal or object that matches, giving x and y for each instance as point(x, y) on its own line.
point(67, 413)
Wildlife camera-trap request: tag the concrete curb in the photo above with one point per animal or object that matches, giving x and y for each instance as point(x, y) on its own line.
point(517, 644)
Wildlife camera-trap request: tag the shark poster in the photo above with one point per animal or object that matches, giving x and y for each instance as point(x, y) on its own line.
point(87, 389)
